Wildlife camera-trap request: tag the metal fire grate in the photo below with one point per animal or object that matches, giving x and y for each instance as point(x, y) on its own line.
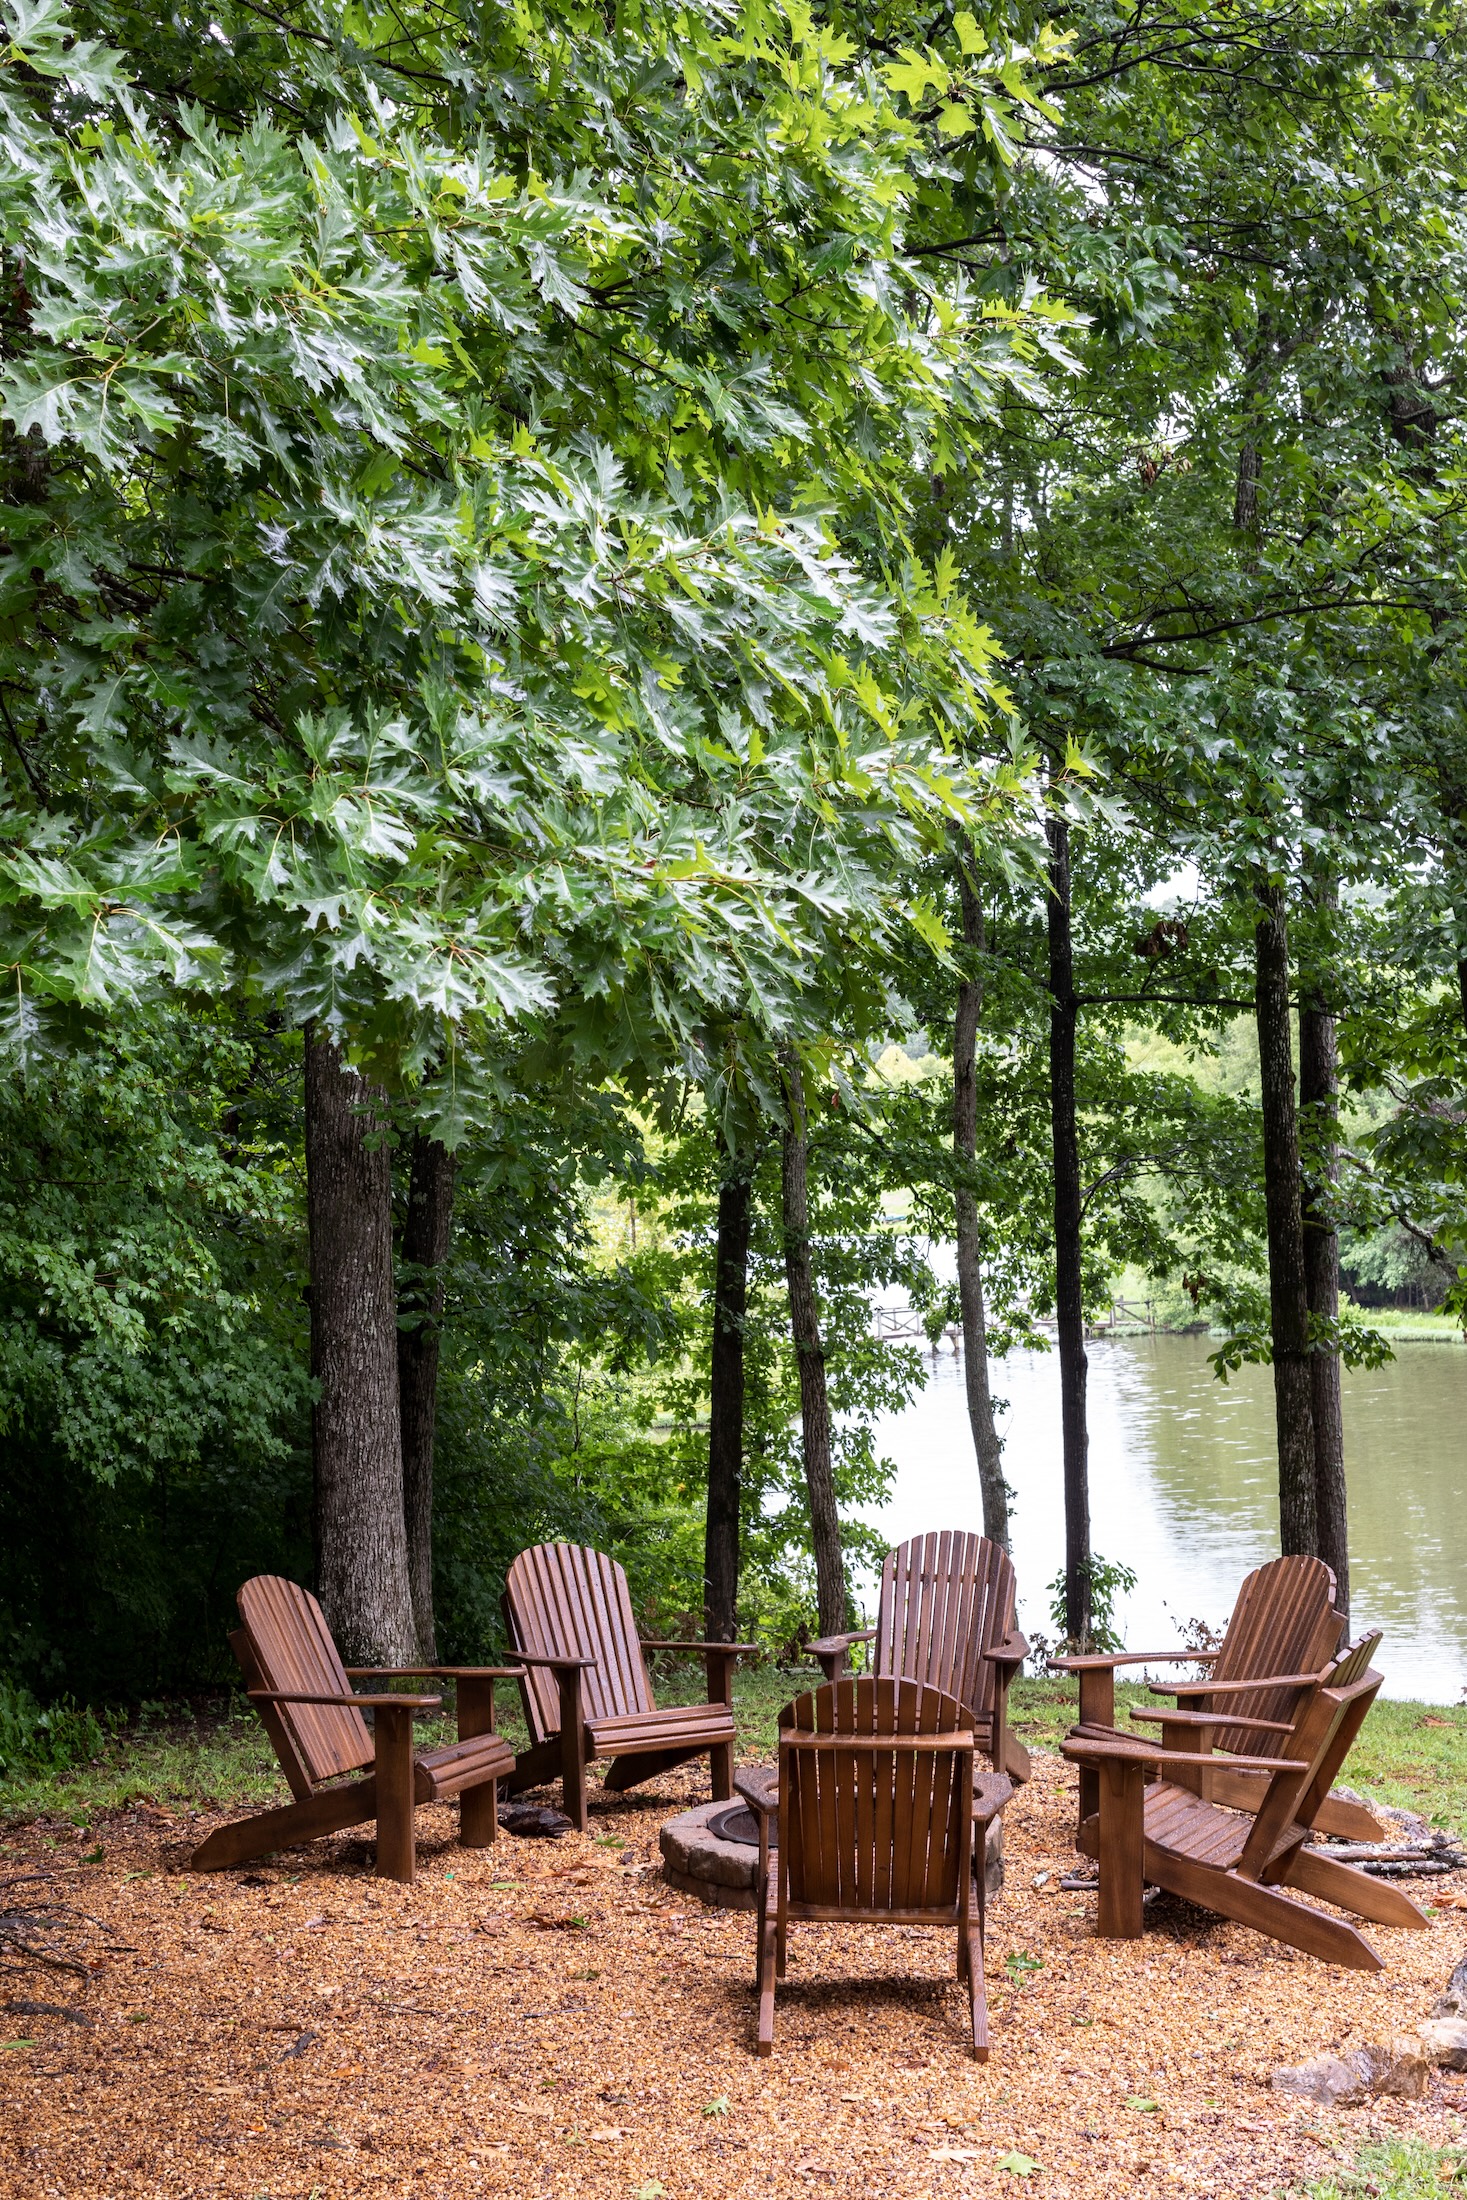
point(738, 1824)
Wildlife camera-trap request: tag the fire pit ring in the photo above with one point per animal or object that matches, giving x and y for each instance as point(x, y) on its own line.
point(713, 1852)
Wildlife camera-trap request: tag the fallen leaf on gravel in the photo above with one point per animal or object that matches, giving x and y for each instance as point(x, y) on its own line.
point(1017, 2165)
point(1136, 2100)
point(610, 2131)
point(957, 2154)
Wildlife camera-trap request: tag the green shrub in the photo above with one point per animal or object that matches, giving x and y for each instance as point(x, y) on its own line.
point(34, 1738)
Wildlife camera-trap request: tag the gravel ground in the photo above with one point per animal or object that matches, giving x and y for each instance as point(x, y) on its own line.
point(547, 2018)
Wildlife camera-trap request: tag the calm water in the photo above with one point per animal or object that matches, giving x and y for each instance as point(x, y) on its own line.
point(1183, 1488)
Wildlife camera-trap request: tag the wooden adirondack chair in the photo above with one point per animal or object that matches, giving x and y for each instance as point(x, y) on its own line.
point(873, 1797)
point(946, 1617)
point(585, 1685)
point(1283, 1632)
point(303, 1694)
point(1239, 1863)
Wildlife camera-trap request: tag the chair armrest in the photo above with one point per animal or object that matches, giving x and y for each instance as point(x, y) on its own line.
point(831, 1645)
point(992, 1791)
point(566, 1665)
point(435, 1672)
point(1011, 1651)
point(1234, 1688)
point(759, 1786)
point(1099, 1664)
point(737, 1649)
point(1217, 1718)
point(362, 1703)
point(1133, 1750)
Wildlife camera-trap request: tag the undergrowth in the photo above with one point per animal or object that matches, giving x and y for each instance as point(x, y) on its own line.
point(63, 1762)
point(1404, 2170)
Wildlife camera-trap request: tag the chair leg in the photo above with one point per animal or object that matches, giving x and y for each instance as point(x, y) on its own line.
point(478, 1811)
point(572, 1748)
point(1270, 1911)
point(1122, 1851)
point(768, 1968)
point(781, 1948)
point(329, 1812)
point(478, 1816)
point(396, 1853)
point(1353, 1890)
point(970, 1951)
point(720, 1767)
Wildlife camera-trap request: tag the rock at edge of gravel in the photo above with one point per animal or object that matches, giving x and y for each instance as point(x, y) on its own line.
point(1397, 2068)
point(1445, 2041)
point(1454, 2001)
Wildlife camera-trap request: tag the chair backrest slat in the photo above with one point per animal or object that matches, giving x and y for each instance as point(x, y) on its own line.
point(945, 1600)
point(889, 1828)
point(293, 1650)
point(1284, 1621)
point(565, 1600)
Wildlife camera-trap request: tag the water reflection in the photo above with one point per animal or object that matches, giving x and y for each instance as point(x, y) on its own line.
point(1183, 1488)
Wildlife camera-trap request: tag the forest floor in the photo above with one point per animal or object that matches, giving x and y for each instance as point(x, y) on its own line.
point(548, 2018)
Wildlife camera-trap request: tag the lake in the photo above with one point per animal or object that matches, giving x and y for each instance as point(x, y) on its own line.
point(1183, 1488)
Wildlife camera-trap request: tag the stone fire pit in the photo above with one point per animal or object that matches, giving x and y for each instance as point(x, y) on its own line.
point(713, 1852)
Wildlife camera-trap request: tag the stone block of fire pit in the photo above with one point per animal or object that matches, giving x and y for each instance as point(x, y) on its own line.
point(713, 1852)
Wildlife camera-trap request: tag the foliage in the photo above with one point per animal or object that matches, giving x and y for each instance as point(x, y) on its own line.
point(33, 1740)
point(153, 1392)
point(1109, 1578)
point(404, 611)
point(1402, 2169)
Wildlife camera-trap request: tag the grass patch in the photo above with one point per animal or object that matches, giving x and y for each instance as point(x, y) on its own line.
point(215, 1752)
point(1407, 2171)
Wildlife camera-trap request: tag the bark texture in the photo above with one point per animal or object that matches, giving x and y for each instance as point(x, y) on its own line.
point(1069, 1303)
point(426, 1232)
point(830, 1572)
point(987, 1444)
point(726, 1410)
point(1245, 498)
point(1319, 1092)
point(361, 1541)
point(1293, 1378)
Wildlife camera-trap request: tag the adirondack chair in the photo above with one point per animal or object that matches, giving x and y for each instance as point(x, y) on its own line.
point(873, 1800)
point(1283, 1632)
point(585, 1686)
point(303, 1694)
point(1240, 1864)
point(946, 1617)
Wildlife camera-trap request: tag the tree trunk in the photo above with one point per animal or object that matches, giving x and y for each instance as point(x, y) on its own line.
point(830, 1572)
point(425, 1238)
point(1245, 498)
point(356, 1432)
point(1069, 1304)
point(1287, 1284)
point(1318, 1090)
point(987, 1443)
point(726, 1410)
